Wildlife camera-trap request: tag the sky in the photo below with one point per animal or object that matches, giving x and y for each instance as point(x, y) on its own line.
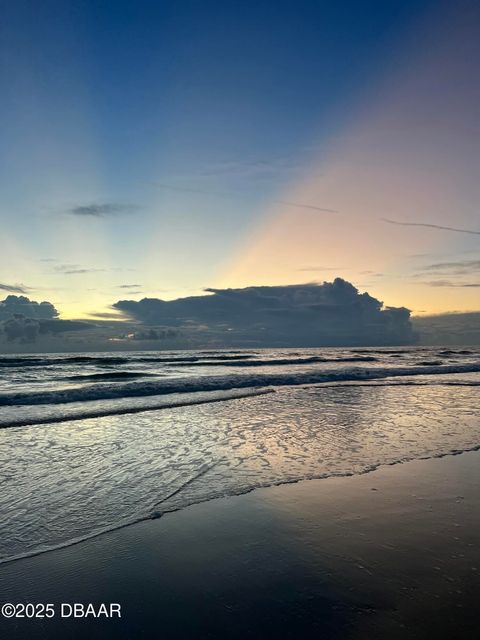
point(156, 149)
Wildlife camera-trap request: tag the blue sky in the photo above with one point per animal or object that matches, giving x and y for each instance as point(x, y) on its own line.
point(184, 125)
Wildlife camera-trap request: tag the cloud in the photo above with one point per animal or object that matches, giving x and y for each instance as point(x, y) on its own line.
point(77, 271)
point(449, 283)
point(74, 269)
point(332, 313)
point(128, 286)
point(27, 330)
point(102, 210)
point(165, 333)
point(455, 274)
point(232, 194)
point(318, 268)
point(430, 226)
point(306, 206)
point(107, 315)
point(22, 305)
point(263, 169)
point(449, 329)
point(18, 327)
point(462, 266)
point(62, 326)
point(24, 320)
point(14, 288)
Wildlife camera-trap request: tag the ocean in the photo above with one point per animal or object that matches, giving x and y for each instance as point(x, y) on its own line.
point(97, 441)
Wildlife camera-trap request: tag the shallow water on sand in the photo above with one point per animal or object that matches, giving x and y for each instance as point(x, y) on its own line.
point(73, 479)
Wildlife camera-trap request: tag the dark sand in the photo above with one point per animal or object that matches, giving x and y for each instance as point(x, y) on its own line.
point(390, 554)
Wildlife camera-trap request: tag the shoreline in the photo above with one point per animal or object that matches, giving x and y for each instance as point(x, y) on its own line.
point(152, 517)
point(341, 557)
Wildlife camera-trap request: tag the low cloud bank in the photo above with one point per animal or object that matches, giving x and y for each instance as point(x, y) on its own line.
point(155, 334)
point(449, 329)
point(328, 314)
point(24, 320)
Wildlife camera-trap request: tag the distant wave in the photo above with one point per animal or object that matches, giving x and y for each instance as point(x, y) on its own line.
point(227, 352)
point(398, 383)
point(46, 361)
point(212, 357)
point(450, 352)
point(221, 383)
point(275, 361)
point(411, 350)
point(383, 351)
point(187, 359)
point(112, 375)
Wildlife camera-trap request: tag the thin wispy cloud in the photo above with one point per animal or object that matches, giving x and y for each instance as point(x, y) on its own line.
point(460, 268)
point(102, 210)
point(430, 226)
point(464, 265)
point(76, 271)
point(107, 315)
point(319, 268)
point(253, 169)
point(128, 286)
point(230, 194)
point(14, 288)
point(306, 206)
point(207, 192)
point(449, 283)
point(73, 269)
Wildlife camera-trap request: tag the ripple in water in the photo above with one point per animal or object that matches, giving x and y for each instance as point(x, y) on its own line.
point(67, 481)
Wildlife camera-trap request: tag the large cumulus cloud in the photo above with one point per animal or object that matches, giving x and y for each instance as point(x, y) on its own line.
point(29, 308)
point(23, 320)
point(333, 313)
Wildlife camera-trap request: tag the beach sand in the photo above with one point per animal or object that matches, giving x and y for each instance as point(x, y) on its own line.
point(393, 553)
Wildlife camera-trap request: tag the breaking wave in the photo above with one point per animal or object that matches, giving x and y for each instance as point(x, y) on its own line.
point(206, 383)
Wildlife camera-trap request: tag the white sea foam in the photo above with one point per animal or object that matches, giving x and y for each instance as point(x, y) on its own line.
point(70, 480)
point(105, 391)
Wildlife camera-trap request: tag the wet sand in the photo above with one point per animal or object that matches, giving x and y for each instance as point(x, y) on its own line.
point(390, 554)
